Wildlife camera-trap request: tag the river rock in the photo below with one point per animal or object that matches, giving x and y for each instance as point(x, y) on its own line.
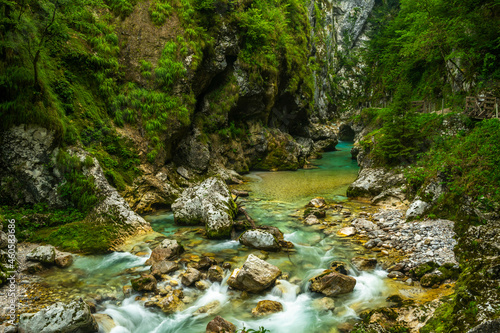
point(220, 325)
point(202, 285)
point(347, 232)
point(74, 317)
point(209, 204)
point(255, 275)
point(363, 224)
point(324, 304)
point(364, 264)
point(317, 203)
point(260, 239)
point(163, 267)
point(171, 304)
point(210, 309)
point(417, 209)
point(339, 267)
point(311, 220)
point(331, 283)
point(266, 307)
point(167, 249)
point(45, 254)
point(190, 276)
point(144, 283)
point(105, 322)
point(215, 274)
point(63, 259)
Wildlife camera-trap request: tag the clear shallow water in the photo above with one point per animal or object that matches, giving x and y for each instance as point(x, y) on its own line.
point(275, 200)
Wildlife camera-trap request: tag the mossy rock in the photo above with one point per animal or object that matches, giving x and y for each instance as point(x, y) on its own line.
point(418, 272)
point(432, 279)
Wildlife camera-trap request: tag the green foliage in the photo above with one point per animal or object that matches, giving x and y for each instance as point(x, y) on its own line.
point(122, 8)
point(159, 11)
point(428, 42)
point(78, 189)
point(30, 219)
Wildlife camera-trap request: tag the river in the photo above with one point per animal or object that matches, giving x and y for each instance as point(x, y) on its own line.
point(277, 199)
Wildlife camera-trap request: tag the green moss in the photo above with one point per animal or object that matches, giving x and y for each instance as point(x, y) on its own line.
point(81, 236)
point(423, 269)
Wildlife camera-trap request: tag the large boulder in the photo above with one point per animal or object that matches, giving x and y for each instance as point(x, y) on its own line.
point(209, 204)
point(255, 275)
point(373, 181)
point(45, 254)
point(166, 250)
point(220, 325)
point(331, 283)
point(260, 239)
point(74, 317)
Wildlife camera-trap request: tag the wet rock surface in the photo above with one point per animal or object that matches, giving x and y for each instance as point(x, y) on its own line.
point(331, 283)
point(260, 239)
point(255, 275)
point(74, 317)
point(220, 325)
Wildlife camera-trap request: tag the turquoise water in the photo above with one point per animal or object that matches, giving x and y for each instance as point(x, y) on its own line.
point(276, 199)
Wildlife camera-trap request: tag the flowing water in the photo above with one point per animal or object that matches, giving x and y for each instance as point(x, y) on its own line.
point(276, 199)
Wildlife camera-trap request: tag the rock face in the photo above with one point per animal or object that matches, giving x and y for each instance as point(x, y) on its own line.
point(255, 275)
point(491, 326)
point(266, 307)
point(45, 254)
point(260, 239)
point(331, 283)
point(373, 181)
point(74, 317)
point(220, 325)
point(209, 204)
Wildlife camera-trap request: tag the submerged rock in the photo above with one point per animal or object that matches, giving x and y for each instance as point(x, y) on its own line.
point(266, 307)
point(210, 309)
point(260, 239)
point(74, 317)
point(364, 264)
point(324, 304)
point(255, 275)
point(331, 283)
point(339, 267)
point(220, 325)
point(144, 283)
point(45, 254)
point(209, 204)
